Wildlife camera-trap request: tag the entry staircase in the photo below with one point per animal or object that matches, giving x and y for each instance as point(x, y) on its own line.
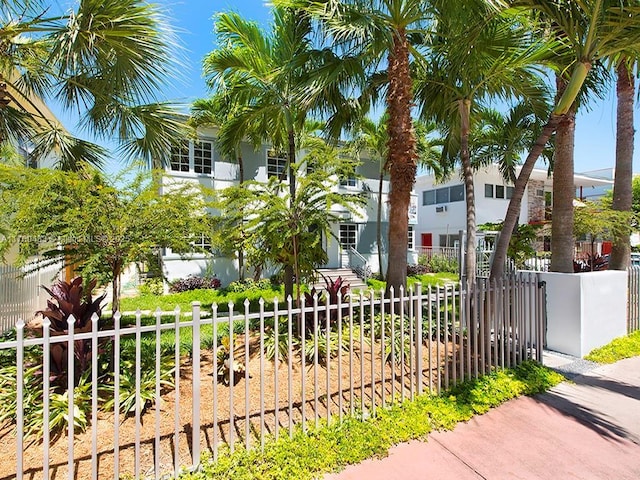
point(349, 277)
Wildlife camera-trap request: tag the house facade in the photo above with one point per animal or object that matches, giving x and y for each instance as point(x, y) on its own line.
point(198, 162)
point(442, 207)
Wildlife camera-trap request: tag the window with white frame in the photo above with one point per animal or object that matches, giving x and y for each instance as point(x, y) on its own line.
point(201, 242)
point(180, 157)
point(451, 194)
point(276, 164)
point(348, 182)
point(410, 243)
point(192, 156)
point(202, 157)
point(348, 235)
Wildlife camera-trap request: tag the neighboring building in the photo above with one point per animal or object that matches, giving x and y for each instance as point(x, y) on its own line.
point(596, 192)
point(199, 161)
point(442, 207)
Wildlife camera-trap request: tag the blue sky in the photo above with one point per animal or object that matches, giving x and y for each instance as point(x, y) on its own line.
point(595, 130)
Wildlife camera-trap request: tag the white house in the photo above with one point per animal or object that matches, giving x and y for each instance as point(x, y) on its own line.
point(198, 161)
point(442, 206)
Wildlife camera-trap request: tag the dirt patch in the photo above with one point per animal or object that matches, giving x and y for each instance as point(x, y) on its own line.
point(354, 381)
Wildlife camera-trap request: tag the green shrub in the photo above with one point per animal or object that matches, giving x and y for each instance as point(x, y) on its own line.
point(617, 349)
point(441, 263)
point(248, 284)
point(331, 447)
point(151, 286)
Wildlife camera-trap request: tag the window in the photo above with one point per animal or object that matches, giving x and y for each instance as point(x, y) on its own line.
point(488, 190)
point(410, 242)
point(201, 242)
point(456, 193)
point(348, 233)
point(180, 157)
point(499, 191)
point(449, 240)
point(202, 157)
point(443, 195)
point(510, 191)
point(428, 197)
point(348, 182)
point(276, 164)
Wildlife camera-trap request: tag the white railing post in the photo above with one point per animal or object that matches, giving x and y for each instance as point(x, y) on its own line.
point(138, 409)
point(418, 339)
point(94, 396)
point(195, 403)
point(71, 407)
point(20, 400)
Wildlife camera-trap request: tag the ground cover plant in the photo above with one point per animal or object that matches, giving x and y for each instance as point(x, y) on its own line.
point(617, 349)
point(331, 447)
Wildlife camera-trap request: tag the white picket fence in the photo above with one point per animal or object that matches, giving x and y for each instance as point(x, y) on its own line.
point(172, 373)
point(20, 293)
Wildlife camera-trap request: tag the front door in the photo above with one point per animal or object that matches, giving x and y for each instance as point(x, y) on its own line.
point(427, 240)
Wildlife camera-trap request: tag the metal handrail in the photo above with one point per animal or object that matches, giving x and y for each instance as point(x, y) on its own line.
point(365, 265)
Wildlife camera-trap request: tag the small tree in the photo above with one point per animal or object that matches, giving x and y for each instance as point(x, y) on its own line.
point(86, 222)
point(285, 231)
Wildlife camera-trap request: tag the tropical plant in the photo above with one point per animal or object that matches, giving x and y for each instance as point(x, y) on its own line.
point(625, 134)
point(76, 212)
point(91, 60)
point(471, 63)
point(224, 363)
point(377, 35)
point(591, 31)
point(69, 300)
point(268, 85)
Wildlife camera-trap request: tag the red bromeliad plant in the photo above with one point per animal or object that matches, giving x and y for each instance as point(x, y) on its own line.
point(71, 299)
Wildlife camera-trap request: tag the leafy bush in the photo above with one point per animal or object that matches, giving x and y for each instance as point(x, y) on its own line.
point(151, 286)
point(417, 269)
point(617, 349)
point(194, 283)
point(248, 284)
point(441, 263)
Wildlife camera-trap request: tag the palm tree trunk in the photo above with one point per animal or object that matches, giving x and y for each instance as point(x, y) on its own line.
point(379, 224)
point(622, 184)
point(464, 107)
point(513, 210)
point(562, 239)
point(401, 160)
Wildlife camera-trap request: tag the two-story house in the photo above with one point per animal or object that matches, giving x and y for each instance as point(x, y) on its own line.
point(198, 161)
point(442, 206)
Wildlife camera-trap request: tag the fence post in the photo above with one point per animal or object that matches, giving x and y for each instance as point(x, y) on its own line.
point(20, 400)
point(195, 403)
point(418, 339)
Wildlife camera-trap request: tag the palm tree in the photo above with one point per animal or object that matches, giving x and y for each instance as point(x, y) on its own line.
point(376, 33)
point(622, 186)
point(591, 30)
point(271, 79)
point(371, 137)
point(472, 65)
point(106, 60)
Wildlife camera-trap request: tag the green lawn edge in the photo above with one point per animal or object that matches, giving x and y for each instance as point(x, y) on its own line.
point(618, 349)
point(330, 448)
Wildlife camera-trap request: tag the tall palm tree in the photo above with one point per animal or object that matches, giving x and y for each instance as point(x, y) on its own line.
point(472, 63)
point(270, 78)
point(377, 32)
point(105, 60)
point(371, 137)
point(622, 185)
point(592, 30)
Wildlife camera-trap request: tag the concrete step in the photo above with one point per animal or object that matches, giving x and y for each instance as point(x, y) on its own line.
point(355, 283)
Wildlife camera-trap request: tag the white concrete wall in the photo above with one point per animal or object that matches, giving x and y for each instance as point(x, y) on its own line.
point(585, 310)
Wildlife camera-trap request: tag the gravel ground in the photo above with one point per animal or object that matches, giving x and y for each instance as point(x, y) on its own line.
point(567, 365)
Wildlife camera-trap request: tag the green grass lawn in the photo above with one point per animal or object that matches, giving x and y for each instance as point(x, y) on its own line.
point(618, 349)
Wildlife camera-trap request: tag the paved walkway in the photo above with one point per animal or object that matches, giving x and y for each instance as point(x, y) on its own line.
point(585, 429)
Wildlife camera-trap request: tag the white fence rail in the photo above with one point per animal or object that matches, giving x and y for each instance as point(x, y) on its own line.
point(20, 293)
point(237, 376)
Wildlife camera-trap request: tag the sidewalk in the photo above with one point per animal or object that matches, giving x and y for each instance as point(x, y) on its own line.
point(589, 429)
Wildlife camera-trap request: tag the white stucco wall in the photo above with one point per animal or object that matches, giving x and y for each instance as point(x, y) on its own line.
point(585, 310)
